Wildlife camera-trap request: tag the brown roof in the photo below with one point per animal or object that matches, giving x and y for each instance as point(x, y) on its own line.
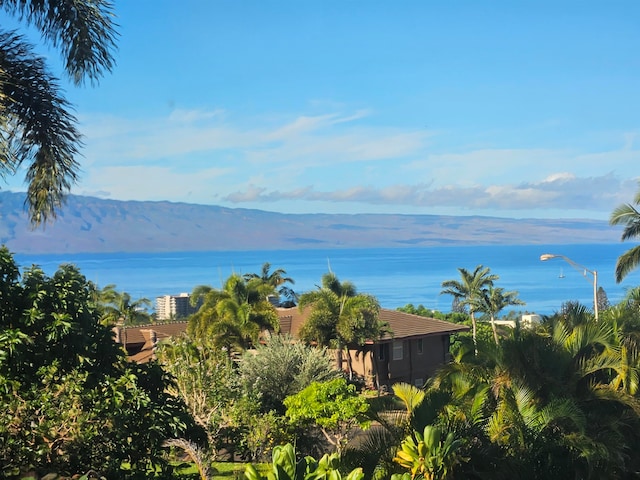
point(403, 325)
point(406, 325)
point(134, 335)
point(291, 320)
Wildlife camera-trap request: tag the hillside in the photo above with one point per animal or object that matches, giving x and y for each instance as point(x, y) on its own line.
point(88, 224)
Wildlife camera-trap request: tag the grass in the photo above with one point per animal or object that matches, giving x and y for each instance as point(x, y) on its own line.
point(223, 470)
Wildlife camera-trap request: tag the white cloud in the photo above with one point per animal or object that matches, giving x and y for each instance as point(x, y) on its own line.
point(555, 177)
point(342, 158)
point(555, 192)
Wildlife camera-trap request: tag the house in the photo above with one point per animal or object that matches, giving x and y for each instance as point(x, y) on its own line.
point(413, 350)
point(140, 342)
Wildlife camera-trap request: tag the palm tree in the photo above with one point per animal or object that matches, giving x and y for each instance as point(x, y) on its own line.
point(340, 316)
point(234, 316)
point(119, 307)
point(554, 404)
point(273, 281)
point(493, 300)
point(469, 291)
point(629, 216)
point(36, 123)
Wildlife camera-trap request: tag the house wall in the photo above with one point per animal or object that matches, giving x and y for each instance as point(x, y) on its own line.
point(415, 366)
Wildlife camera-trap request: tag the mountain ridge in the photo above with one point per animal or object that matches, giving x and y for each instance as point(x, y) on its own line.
point(93, 225)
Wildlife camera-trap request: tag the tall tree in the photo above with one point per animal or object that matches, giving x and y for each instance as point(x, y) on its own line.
point(340, 316)
point(120, 308)
point(274, 281)
point(469, 290)
point(629, 216)
point(233, 316)
point(37, 126)
point(206, 380)
point(493, 300)
point(602, 299)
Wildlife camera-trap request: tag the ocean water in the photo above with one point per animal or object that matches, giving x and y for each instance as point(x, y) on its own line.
point(396, 276)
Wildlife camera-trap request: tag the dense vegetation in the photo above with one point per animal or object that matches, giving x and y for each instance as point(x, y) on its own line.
point(558, 400)
point(71, 400)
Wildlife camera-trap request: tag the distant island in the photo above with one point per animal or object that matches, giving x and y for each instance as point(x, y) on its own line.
point(94, 225)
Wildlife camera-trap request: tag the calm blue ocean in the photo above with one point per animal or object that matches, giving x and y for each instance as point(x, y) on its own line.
point(395, 276)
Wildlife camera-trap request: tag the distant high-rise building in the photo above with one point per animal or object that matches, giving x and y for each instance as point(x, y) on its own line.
point(173, 306)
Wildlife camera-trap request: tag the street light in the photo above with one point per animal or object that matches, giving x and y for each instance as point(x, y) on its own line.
point(581, 268)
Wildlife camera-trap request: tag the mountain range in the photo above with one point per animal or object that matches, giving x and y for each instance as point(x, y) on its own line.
point(94, 225)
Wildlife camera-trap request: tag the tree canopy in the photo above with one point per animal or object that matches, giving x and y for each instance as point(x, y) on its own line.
point(233, 316)
point(470, 290)
point(37, 126)
point(71, 400)
point(629, 216)
point(340, 316)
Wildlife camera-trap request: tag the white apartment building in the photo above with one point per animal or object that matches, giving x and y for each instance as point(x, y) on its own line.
point(170, 307)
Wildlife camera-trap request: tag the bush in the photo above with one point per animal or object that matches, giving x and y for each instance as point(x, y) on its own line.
point(283, 367)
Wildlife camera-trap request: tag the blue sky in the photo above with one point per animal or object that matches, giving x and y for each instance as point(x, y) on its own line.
point(502, 108)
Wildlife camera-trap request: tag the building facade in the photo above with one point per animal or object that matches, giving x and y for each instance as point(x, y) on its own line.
point(171, 307)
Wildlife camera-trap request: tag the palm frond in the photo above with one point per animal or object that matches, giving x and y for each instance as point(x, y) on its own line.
point(41, 128)
point(410, 395)
point(83, 31)
point(627, 262)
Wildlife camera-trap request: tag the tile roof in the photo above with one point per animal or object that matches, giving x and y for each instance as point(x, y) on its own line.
point(403, 325)
point(163, 330)
point(406, 325)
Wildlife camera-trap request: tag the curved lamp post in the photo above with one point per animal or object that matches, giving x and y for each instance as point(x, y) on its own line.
point(581, 268)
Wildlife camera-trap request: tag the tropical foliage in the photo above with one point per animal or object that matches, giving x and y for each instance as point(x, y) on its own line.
point(234, 316)
point(120, 309)
point(283, 367)
point(551, 404)
point(469, 291)
point(333, 406)
point(286, 466)
point(275, 281)
point(629, 216)
point(426, 455)
point(71, 401)
point(340, 317)
point(37, 126)
point(492, 301)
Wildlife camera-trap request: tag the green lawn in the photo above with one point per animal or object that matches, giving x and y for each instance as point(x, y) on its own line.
point(223, 471)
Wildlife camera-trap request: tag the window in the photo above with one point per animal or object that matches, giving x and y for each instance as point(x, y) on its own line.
point(420, 346)
point(397, 350)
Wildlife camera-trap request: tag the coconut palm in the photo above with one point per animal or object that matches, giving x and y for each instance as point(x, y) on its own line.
point(36, 123)
point(493, 300)
point(273, 281)
point(469, 291)
point(629, 216)
point(234, 316)
point(340, 316)
point(119, 308)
